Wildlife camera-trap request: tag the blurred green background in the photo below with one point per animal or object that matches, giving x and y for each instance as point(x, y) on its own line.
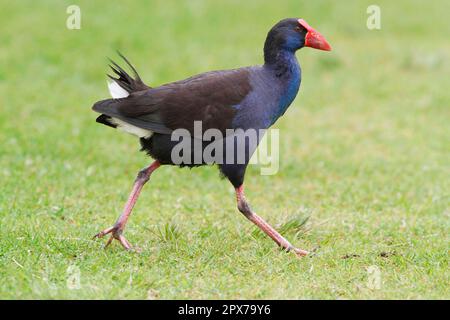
point(365, 155)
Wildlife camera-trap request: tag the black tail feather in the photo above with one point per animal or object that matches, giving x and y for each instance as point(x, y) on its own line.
point(104, 119)
point(124, 80)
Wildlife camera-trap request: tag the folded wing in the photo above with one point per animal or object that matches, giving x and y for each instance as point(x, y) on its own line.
point(208, 97)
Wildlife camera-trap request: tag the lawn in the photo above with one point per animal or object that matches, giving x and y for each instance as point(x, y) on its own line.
point(365, 156)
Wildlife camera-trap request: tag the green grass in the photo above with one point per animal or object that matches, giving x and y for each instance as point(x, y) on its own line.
point(365, 156)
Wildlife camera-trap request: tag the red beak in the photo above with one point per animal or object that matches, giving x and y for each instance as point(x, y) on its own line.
point(314, 39)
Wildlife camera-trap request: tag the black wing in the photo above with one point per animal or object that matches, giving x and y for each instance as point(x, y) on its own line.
point(207, 97)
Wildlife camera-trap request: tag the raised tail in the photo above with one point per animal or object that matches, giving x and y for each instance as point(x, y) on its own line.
point(119, 88)
point(122, 86)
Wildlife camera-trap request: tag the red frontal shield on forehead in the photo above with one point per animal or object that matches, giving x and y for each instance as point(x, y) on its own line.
point(313, 38)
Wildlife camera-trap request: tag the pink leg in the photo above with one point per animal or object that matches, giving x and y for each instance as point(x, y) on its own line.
point(117, 230)
point(244, 207)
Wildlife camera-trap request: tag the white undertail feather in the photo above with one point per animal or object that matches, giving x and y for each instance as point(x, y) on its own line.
point(124, 126)
point(117, 91)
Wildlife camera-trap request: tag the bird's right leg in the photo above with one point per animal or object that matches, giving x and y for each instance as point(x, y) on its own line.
point(245, 209)
point(117, 230)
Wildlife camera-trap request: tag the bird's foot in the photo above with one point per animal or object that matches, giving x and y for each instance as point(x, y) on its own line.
point(116, 233)
point(299, 252)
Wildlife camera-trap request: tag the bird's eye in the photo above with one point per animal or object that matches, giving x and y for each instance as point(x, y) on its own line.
point(297, 28)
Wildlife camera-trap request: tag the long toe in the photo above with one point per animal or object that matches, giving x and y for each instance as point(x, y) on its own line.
point(124, 242)
point(300, 252)
point(101, 234)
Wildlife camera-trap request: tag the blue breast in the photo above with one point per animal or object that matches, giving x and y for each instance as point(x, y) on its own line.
point(291, 86)
point(270, 97)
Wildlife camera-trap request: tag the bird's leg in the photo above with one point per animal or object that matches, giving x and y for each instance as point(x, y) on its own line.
point(117, 230)
point(244, 207)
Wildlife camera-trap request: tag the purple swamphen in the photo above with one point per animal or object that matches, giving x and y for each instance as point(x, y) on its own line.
point(245, 98)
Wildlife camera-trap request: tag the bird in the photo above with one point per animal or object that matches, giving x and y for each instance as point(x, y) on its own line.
point(247, 98)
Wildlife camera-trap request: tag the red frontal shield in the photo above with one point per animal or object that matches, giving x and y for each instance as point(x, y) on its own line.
point(313, 38)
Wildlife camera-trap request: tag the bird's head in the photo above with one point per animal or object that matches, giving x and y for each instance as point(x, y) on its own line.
point(292, 34)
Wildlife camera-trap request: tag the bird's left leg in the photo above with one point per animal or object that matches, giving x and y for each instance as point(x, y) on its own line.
point(244, 208)
point(117, 230)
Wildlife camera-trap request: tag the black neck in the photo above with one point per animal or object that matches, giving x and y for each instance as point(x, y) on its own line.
point(276, 55)
point(271, 50)
point(279, 59)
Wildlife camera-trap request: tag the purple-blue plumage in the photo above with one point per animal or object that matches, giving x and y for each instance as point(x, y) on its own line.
point(245, 98)
point(272, 93)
